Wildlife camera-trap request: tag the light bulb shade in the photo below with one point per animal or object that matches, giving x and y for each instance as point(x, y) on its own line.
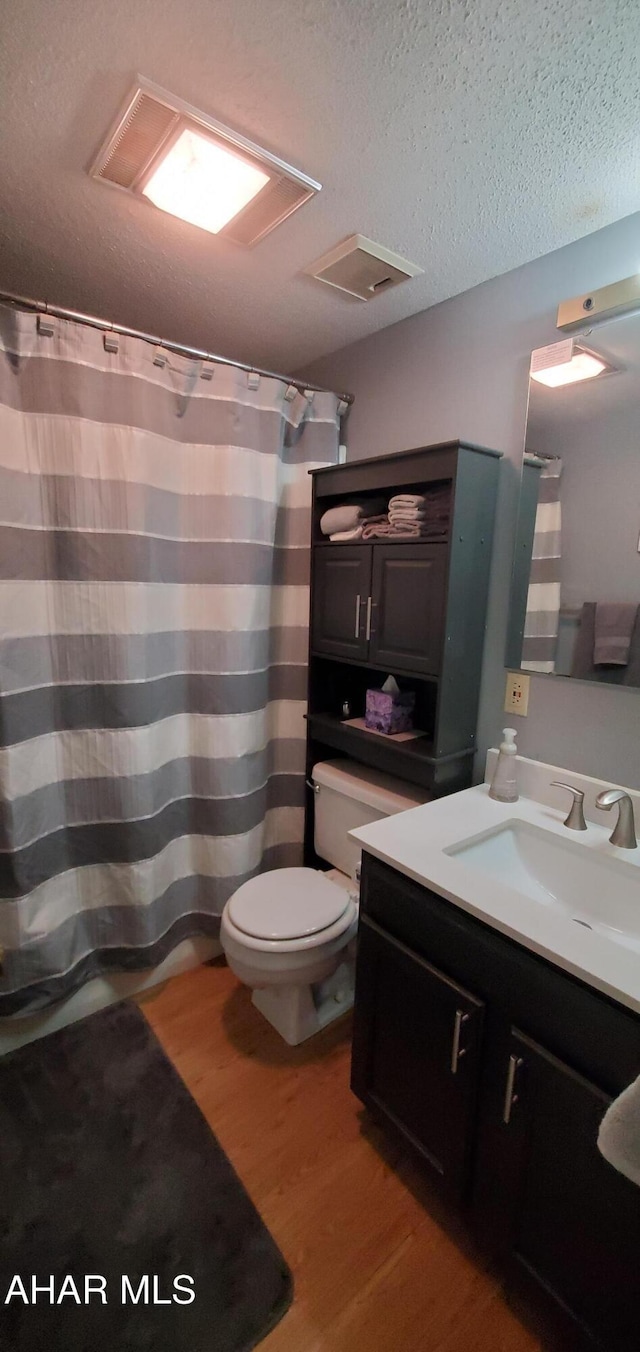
point(203, 182)
point(566, 363)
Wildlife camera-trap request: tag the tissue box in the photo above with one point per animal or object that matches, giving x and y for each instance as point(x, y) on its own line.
point(389, 713)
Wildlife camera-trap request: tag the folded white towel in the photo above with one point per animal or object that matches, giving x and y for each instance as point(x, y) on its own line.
point(338, 519)
point(377, 529)
point(354, 534)
point(405, 529)
point(619, 1135)
point(407, 513)
point(406, 500)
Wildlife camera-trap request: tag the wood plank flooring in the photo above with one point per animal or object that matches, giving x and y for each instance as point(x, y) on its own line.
point(378, 1265)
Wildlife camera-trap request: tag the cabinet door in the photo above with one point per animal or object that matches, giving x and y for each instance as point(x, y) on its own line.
point(341, 585)
point(416, 1052)
point(574, 1222)
point(408, 607)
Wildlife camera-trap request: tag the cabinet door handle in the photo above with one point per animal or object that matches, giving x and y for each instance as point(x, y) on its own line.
point(357, 633)
point(368, 629)
point(456, 1050)
point(510, 1096)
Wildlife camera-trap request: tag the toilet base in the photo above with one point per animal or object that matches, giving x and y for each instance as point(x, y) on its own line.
point(297, 1012)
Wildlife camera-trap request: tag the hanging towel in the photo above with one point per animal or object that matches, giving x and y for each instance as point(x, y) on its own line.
point(619, 1135)
point(613, 628)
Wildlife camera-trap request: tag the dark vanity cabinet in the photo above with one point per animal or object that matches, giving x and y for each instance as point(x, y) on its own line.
point(425, 1087)
point(414, 609)
point(495, 1068)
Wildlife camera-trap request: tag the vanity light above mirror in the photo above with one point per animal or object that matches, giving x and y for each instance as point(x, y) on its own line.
point(566, 363)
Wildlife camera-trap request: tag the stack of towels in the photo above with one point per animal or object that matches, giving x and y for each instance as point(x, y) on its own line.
point(408, 516)
point(412, 516)
point(350, 520)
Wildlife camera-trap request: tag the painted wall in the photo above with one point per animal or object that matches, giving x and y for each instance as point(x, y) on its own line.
point(461, 370)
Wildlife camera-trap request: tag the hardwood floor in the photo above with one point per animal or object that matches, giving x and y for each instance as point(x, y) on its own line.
point(378, 1265)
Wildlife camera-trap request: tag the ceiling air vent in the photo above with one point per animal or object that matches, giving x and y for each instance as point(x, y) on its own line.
point(159, 145)
point(362, 268)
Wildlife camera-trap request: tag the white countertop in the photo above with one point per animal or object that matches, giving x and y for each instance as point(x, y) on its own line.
point(414, 843)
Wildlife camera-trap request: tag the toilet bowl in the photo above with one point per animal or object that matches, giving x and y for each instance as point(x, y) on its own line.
point(290, 933)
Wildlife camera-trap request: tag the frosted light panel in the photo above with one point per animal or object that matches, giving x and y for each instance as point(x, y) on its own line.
point(583, 366)
point(203, 183)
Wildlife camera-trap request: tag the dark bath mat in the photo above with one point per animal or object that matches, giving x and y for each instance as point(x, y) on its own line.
point(108, 1169)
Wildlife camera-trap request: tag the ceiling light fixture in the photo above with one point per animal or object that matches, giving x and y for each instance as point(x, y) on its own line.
point(164, 150)
point(566, 363)
point(202, 182)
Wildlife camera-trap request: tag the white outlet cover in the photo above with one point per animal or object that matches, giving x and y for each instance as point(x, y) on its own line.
point(516, 698)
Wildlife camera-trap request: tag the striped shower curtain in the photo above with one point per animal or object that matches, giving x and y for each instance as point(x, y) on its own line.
point(154, 530)
point(542, 619)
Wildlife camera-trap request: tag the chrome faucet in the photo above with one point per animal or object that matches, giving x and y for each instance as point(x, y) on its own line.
point(575, 820)
point(624, 831)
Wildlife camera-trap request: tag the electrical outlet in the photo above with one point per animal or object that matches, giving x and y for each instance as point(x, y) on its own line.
point(516, 698)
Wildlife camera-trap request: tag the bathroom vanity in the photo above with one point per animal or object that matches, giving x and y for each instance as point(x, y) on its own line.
point(491, 1034)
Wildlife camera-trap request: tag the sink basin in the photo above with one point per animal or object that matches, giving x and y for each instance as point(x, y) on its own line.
point(592, 889)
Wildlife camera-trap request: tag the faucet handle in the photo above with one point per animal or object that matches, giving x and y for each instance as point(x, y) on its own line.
point(575, 820)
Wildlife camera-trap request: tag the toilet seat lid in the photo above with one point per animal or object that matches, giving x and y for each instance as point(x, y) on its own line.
point(288, 903)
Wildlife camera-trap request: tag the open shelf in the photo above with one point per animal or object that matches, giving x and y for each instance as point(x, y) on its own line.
point(414, 760)
point(423, 676)
point(385, 540)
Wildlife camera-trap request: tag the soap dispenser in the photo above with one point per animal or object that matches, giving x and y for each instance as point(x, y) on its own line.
point(504, 787)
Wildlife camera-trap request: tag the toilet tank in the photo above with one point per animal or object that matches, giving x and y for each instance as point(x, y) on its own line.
point(348, 795)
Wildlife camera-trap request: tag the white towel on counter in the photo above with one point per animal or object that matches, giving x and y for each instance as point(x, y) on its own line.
point(619, 1135)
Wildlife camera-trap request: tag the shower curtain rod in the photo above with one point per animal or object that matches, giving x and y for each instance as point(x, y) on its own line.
point(57, 311)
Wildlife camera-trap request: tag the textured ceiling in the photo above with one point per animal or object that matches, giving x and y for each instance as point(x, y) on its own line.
point(469, 135)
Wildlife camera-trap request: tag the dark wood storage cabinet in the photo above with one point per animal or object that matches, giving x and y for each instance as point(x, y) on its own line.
point(382, 604)
point(342, 581)
point(414, 609)
point(502, 1107)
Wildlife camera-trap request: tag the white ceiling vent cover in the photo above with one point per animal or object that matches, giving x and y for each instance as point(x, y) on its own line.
point(152, 120)
point(362, 268)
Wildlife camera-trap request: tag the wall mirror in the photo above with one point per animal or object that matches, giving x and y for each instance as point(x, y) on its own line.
point(575, 595)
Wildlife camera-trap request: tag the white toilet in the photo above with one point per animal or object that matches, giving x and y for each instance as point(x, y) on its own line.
point(289, 934)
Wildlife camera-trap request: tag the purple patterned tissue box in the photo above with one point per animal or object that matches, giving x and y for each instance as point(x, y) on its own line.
point(389, 713)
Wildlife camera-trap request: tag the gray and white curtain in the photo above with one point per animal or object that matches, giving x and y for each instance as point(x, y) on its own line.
point(154, 532)
point(543, 599)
